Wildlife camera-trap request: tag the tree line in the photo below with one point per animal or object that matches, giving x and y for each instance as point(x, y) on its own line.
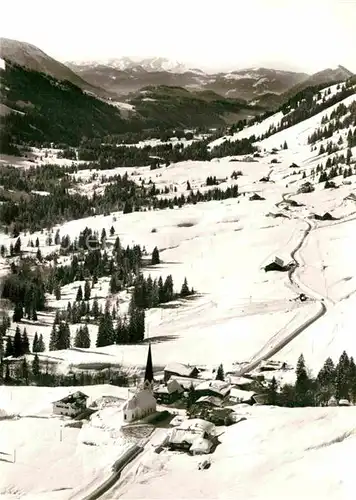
point(337, 381)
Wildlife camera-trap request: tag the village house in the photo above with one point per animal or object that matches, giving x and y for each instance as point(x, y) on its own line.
point(168, 393)
point(186, 382)
point(72, 405)
point(216, 388)
point(239, 382)
point(242, 396)
point(180, 370)
point(196, 436)
point(208, 402)
point(142, 402)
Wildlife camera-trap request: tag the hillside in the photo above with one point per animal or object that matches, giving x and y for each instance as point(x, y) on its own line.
point(176, 106)
point(47, 110)
point(38, 108)
point(31, 57)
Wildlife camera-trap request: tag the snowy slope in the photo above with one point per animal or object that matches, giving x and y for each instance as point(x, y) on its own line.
point(42, 458)
point(276, 453)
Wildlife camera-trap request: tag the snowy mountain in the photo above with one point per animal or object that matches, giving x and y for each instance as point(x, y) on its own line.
point(134, 63)
point(124, 76)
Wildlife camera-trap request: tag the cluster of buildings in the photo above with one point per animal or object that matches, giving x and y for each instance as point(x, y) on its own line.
point(177, 380)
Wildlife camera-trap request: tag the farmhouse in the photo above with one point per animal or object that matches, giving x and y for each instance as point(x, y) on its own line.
point(180, 370)
point(208, 402)
point(72, 405)
point(142, 402)
point(241, 396)
point(196, 436)
point(168, 393)
point(186, 382)
point(217, 388)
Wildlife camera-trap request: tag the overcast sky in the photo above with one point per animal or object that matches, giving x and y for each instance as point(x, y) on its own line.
point(307, 35)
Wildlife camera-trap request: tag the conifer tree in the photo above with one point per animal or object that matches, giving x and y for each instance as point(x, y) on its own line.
point(79, 296)
point(106, 334)
point(25, 342)
point(35, 343)
point(36, 366)
point(272, 392)
point(63, 336)
point(17, 345)
point(9, 348)
point(155, 257)
point(185, 289)
point(53, 337)
point(303, 384)
point(18, 312)
point(41, 345)
point(82, 338)
point(342, 377)
point(87, 290)
point(17, 246)
point(57, 291)
point(95, 308)
point(24, 370)
point(220, 373)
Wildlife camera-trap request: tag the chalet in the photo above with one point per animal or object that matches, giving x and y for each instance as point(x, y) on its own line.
point(168, 393)
point(141, 403)
point(217, 388)
point(196, 436)
point(208, 402)
point(278, 265)
point(180, 370)
point(332, 401)
point(256, 197)
point(271, 365)
point(239, 382)
point(72, 405)
point(186, 382)
point(241, 396)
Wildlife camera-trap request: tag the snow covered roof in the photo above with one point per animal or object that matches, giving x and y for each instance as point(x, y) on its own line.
point(180, 369)
point(197, 425)
point(142, 399)
point(209, 399)
point(239, 380)
point(241, 395)
point(201, 444)
point(172, 386)
point(186, 382)
point(72, 397)
point(220, 387)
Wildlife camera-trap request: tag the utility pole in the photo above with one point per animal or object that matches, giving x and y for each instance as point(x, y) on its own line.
point(14, 455)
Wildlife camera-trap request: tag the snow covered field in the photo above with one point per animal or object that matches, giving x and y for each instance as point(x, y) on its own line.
point(42, 458)
point(276, 453)
point(221, 247)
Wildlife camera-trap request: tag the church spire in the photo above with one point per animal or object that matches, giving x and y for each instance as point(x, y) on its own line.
point(148, 380)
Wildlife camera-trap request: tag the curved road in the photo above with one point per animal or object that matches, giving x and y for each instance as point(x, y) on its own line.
point(299, 287)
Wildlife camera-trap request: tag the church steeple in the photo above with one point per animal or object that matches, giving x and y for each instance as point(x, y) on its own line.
point(148, 380)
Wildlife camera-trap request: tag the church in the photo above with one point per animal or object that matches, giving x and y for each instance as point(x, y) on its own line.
point(142, 402)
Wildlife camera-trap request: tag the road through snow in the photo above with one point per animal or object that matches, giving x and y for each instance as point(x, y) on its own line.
point(299, 286)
